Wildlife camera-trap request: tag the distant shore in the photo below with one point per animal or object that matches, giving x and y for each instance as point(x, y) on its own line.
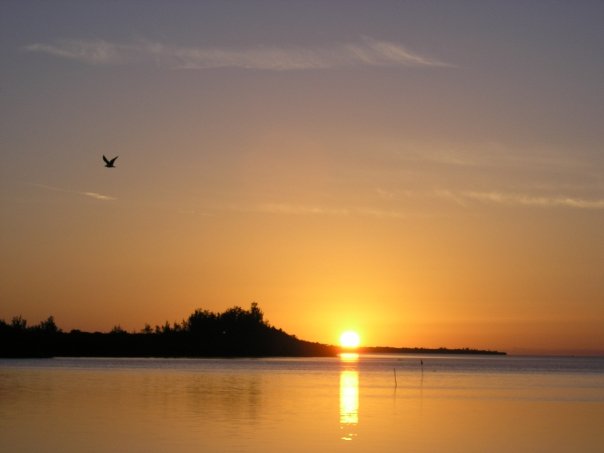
point(233, 333)
point(442, 350)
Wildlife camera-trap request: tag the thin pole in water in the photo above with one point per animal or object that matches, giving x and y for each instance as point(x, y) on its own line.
point(395, 383)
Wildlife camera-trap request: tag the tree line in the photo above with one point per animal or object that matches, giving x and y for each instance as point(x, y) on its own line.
point(235, 332)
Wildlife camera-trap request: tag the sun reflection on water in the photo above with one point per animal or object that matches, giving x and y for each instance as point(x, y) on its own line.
point(349, 357)
point(349, 401)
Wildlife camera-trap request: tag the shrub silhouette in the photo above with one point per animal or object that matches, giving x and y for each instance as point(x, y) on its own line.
point(233, 333)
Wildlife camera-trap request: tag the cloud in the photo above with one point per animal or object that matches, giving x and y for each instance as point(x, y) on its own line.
point(451, 196)
point(366, 52)
point(385, 193)
point(91, 52)
point(381, 213)
point(489, 155)
point(283, 208)
point(290, 209)
point(529, 200)
point(316, 210)
point(95, 195)
point(466, 198)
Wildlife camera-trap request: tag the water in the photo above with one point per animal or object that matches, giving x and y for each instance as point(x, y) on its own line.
point(367, 403)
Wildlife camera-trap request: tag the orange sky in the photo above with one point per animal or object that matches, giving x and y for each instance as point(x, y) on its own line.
point(417, 176)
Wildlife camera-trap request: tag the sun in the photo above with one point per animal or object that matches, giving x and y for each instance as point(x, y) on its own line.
point(350, 339)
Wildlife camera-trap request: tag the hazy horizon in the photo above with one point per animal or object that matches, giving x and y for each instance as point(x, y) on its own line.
point(424, 173)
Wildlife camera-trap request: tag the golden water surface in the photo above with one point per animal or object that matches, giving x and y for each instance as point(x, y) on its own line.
point(144, 405)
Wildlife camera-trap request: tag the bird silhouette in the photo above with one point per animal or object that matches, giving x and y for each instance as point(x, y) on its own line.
point(109, 163)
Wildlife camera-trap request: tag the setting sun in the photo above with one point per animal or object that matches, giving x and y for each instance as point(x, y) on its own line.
point(350, 339)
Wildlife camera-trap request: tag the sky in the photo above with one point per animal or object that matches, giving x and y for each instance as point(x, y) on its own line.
point(424, 173)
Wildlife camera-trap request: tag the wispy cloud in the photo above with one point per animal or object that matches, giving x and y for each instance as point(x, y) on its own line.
point(489, 155)
point(529, 200)
point(91, 52)
point(366, 52)
point(318, 210)
point(295, 209)
point(469, 198)
point(95, 195)
point(385, 193)
point(465, 199)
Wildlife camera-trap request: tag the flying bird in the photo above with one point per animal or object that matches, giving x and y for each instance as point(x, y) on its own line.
point(109, 163)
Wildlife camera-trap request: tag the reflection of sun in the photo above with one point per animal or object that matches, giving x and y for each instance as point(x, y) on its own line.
point(350, 339)
point(349, 400)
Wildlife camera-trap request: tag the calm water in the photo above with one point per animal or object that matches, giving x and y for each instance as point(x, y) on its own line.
point(453, 404)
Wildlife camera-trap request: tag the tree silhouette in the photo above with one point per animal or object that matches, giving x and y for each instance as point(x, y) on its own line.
point(235, 332)
point(48, 326)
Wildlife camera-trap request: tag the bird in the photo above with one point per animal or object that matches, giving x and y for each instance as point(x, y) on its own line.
point(109, 163)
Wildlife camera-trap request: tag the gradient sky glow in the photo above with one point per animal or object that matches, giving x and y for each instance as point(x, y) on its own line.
point(425, 173)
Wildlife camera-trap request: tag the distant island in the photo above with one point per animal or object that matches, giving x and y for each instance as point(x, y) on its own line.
point(442, 350)
point(233, 333)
